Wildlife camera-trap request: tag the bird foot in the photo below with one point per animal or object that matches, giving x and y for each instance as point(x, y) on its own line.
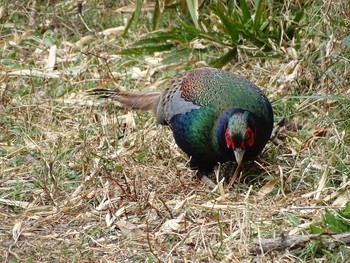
point(204, 179)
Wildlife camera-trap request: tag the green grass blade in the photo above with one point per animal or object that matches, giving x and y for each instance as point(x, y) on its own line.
point(292, 219)
point(230, 6)
point(156, 15)
point(292, 29)
point(323, 97)
point(192, 6)
point(177, 55)
point(145, 49)
point(134, 18)
point(229, 26)
point(335, 224)
point(223, 60)
point(346, 212)
point(163, 38)
point(260, 8)
point(246, 16)
point(190, 31)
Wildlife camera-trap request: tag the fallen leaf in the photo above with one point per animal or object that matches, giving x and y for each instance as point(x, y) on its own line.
point(268, 187)
point(16, 231)
point(127, 228)
point(175, 224)
point(51, 60)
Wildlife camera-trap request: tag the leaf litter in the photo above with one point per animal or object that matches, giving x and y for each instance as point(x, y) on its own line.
point(109, 185)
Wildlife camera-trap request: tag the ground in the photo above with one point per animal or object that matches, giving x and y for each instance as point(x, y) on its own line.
point(84, 181)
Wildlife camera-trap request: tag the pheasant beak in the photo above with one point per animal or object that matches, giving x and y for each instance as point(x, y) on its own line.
point(239, 153)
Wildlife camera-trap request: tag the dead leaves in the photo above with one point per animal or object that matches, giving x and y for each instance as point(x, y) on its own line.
point(128, 228)
point(316, 134)
point(290, 129)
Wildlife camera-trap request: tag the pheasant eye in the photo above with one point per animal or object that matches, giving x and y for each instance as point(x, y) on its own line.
point(249, 137)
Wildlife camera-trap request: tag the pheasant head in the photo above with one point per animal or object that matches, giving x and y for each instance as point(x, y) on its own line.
point(239, 132)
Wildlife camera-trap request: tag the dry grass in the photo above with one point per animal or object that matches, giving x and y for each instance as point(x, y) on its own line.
point(81, 181)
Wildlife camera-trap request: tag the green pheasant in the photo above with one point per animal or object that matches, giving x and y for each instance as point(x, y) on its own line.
point(215, 116)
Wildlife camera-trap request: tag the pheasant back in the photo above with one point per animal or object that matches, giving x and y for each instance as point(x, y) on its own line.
point(204, 87)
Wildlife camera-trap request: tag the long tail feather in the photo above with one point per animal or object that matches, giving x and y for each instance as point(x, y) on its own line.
point(138, 101)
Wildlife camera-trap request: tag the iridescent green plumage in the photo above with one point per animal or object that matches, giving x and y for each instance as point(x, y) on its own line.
point(215, 116)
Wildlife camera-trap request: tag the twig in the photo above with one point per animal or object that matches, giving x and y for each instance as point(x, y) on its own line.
point(166, 207)
point(284, 242)
point(148, 236)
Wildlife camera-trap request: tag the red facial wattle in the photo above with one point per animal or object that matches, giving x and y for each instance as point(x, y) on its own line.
point(229, 142)
point(247, 141)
